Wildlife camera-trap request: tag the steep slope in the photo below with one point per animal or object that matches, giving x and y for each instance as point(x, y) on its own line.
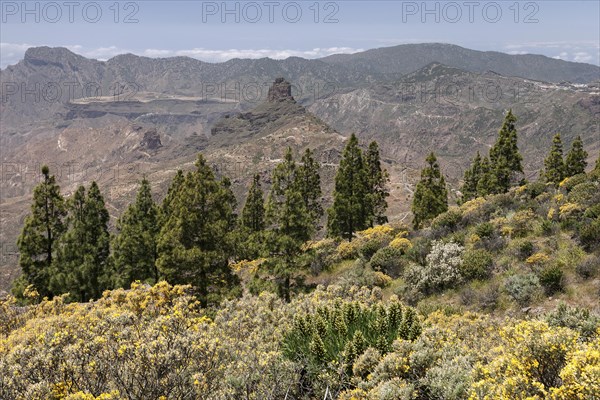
point(456, 113)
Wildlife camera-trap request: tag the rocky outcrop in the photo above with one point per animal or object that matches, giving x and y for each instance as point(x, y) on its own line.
point(281, 90)
point(151, 140)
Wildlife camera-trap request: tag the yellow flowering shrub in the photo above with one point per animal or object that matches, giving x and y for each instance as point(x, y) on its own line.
point(537, 259)
point(157, 343)
point(377, 231)
point(527, 362)
point(568, 210)
point(348, 250)
point(580, 375)
point(472, 206)
point(473, 239)
point(401, 243)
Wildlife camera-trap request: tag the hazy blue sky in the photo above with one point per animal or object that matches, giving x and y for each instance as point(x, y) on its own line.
point(209, 31)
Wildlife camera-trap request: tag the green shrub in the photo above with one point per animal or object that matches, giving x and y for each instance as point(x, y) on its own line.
point(448, 220)
point(584, 194)
point(547, 227)
point(370, 247)
point(388, 260)
point(522, 222)
point(418, 252)
point(489, 296)
point(534, 189)
point(522, 288)
point(589, 234)
point(321, 255)
point(573, 181)
point(485, 230)
point(588, 267)
point(578, 319)
point(552, 279)
point(477, 264)
point(592, 211)
point(522, 249)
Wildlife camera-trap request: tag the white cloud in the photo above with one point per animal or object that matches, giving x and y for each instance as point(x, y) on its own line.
point(11, 53)
point(582, 56)
point(224, 55)
point(562, 56)
point(554, 45)
point(586, 51)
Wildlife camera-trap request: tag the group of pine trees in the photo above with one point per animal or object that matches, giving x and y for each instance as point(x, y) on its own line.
point(192, 237)
point(359, 197)
point(556, 168)
point(496, 172)
point(64, 245)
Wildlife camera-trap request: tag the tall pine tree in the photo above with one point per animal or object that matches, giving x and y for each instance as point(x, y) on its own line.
point(505, 159)
point(576, 159)
point(81, 267)
point(351, 210)
point(554, 166)
point(43, 227)
point(134, 245)
point(290, 224)
point(284, 198)
point(309, 184)
point(194, 243)
point(431, 196)
point(378, 179)
point(253, 213)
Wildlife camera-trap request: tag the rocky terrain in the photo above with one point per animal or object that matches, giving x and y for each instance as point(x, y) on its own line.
point(129, 117)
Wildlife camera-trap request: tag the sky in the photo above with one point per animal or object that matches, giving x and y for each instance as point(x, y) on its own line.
point(217, 31)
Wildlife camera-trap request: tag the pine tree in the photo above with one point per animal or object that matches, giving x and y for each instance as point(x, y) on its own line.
point(42, 230)
point(378, 179)
point(471, 180)
point(486, 182)
point(81, 267)
point(351, 208)
point(554, 167)
point(289, 222)
point(253, 214)
point(595, 173)
point(309, 184)
point(134, 245)
point(431, 197)
point(194, 242)
point(286, 197)
point(505, 159)
point(174, 188)
point(575, 162)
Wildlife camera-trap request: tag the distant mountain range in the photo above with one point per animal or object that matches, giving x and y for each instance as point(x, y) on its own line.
point(131, 116)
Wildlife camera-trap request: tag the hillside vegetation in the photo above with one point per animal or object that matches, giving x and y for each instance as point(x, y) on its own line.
point(492, 298)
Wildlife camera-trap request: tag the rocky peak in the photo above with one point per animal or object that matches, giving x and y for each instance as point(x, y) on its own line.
point(281, 90)
point(52, 55)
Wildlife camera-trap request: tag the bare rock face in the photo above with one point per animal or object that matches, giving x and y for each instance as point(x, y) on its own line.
point(281, 90)
point(151, 140)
